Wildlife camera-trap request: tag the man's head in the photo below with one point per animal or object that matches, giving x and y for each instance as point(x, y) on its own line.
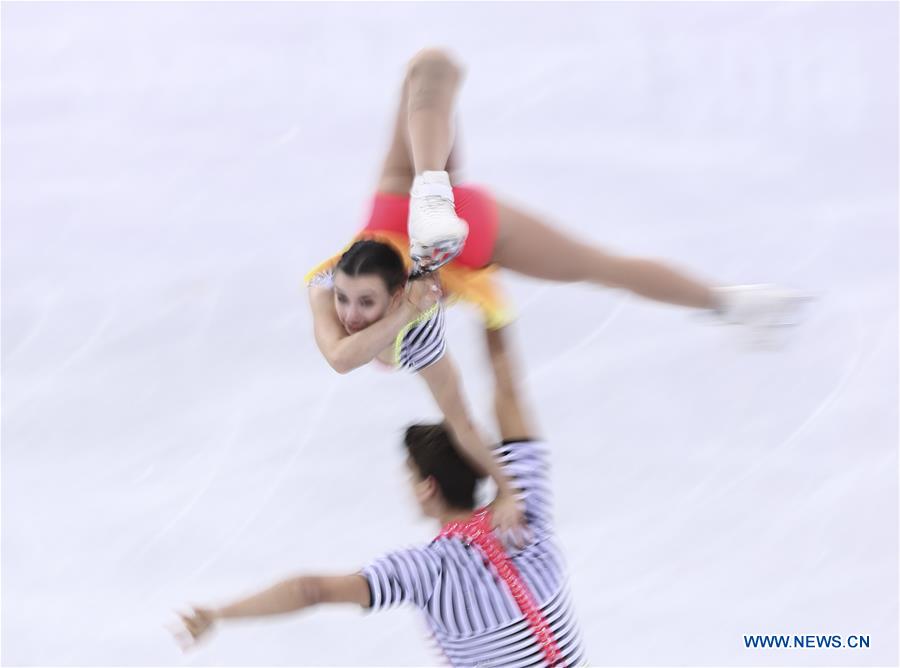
point(442, 480)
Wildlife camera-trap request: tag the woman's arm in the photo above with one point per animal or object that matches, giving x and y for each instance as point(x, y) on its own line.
point(286, 596)
point(443, 381)
point(345, 352)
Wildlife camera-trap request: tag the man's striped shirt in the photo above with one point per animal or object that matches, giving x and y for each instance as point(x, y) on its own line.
point(469, 608)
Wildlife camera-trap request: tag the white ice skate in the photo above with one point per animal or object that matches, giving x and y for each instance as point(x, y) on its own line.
point(436, 233)
point(766, 311)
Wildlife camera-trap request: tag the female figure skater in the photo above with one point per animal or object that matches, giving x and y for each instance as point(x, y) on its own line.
point(452, 238)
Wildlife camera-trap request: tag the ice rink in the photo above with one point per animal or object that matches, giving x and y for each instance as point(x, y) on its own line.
point(170, 433)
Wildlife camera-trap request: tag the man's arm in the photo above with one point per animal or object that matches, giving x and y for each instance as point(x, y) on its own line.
point(287, 596)
point(524, 457)
point(509, 405)
point(443, 381)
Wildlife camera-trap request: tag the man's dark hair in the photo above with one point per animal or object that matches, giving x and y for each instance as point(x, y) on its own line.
point(433, 452)
point(370, 257)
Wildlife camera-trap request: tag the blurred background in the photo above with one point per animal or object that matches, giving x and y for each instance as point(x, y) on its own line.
point(170, 433)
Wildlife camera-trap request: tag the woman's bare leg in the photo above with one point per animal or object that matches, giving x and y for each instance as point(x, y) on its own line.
point(531, 247)
point(427, 111)
point(397, 171)
point(432, 80)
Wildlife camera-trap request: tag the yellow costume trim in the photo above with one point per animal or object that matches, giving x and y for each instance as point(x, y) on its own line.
point(478, 287)
point(398, 342)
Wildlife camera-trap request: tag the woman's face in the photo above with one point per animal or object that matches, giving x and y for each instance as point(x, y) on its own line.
point(360, 300)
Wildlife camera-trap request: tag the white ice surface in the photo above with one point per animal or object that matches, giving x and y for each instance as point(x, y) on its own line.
point(170, 433)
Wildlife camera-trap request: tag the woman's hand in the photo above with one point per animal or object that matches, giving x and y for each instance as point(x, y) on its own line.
point(196, 623)
point(423, 293)
point(509, 519)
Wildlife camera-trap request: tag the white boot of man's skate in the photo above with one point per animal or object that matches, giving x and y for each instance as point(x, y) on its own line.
point(436, 233)
point(765, 310)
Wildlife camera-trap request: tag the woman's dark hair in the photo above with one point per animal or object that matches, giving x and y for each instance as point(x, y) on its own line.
point(434, 453)
point(366, 257)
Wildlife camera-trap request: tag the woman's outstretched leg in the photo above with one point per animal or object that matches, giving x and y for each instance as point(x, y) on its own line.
point(421, 155)
point(432, 80)
point(398, 169)
point(436, 234)
point(531, 247)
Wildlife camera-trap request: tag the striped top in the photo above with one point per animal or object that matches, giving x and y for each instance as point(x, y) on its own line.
point(470, 610)
point(418, 345)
